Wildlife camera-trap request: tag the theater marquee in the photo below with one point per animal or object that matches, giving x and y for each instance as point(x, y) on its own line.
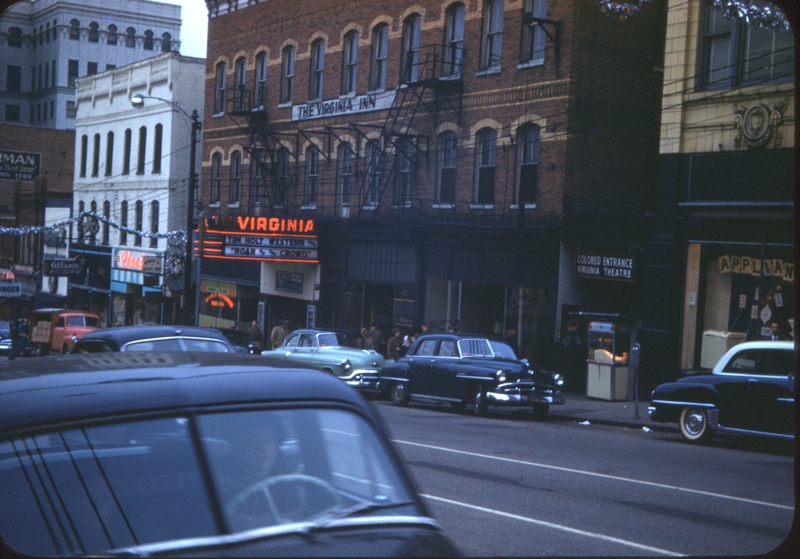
point(263, 239)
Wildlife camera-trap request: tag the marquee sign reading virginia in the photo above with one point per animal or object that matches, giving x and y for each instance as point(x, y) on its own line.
point(262, 238)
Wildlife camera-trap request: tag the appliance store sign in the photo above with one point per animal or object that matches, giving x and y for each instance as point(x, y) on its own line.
point(605, 266)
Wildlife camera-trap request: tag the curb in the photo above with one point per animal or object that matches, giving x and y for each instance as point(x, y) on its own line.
point(661, 427)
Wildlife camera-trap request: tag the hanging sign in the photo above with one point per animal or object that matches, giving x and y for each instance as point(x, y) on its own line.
point(344, 106)
point(263, 238)
point(605, 266)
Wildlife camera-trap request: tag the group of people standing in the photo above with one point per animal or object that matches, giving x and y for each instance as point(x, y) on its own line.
point(276, 337)
point(396, 346)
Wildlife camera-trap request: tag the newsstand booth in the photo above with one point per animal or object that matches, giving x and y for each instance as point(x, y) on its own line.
point(609, 375)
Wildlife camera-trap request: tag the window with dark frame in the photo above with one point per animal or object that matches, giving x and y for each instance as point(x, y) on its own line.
point(14, 37)
point(74, 29)
point(240, 85)
point(126, 153)
point(405, 170)
point(374, 156)
point(137, 240)
point(312, 176)
point(533, 36)
point(380, 48)
point(96, 156)
point(84, 155)
point(287, 75)
point(148, 40)
point(283, 177)
point(94, 32)
point(317, 72)
point(257, 176)
point(485, 165)
point(344, 174)
point(453, 41)
point(166, 42)
point(109, 153)
point(492, 35)
point(219, 89)
point(123, 221)
point(106, 228)
point(528, 146)
point(448, 158)
point(13, 78)
point(409, 71)
point(350, 63)
point(93, 232)
point(72, 72)
point(130, 37)
point(142, 151)
point(234, 193)
point(157, 147)
point(216, 178)
point(154, 218)
point(111, 35)
point(261, 81)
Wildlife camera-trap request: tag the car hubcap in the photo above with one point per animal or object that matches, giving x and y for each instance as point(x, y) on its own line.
point(695, 422)
point(398, 391)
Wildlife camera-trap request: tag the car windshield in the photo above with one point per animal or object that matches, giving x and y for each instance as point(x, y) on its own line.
point(502, 349)
point(329, 339)
point(475, 348)
point(97, 488)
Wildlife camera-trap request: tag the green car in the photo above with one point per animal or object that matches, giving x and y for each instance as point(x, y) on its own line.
point(333, 352)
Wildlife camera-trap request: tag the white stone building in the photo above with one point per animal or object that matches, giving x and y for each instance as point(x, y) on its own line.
point(132, 168)
point(45, 45)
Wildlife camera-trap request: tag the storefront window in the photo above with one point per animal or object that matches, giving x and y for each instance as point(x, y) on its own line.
point(227, 305)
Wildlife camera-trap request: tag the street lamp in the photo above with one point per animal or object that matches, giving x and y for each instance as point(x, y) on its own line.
point(137, 101)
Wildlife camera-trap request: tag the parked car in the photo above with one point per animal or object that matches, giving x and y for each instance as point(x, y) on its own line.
point(467, 368)
point(58, 329)
point(749, 390)
point(329, 351)
point(199, 454)
point(240, 340)
point(26, 349)
point(153, 337)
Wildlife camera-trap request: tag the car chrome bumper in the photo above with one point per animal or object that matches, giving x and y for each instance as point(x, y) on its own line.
point(511, 395)
point(365, 379)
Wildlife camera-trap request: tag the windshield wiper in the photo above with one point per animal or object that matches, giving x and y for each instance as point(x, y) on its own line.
point(355, 510)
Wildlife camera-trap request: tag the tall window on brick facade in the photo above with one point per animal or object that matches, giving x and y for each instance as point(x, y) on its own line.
point(139, 215)
point(84, 154)
point(533, 36)
point(405, 168)
point(94, 32)
point(240, 85)
point(380, 49)
point(528, 145)
point(453, 40)
point(485, 165)
point(312, 176)
point(96, 156)
point(111, 35)
point(126, 152)
point(123, 221)
point(141, 153)
point(130, 37)
point(374, 156)
point(235, 192)
point(409, 70)
point(492, 34)
point(216, 178)
point(105, 226)
point(109, 153)
point(219, 88)
point(261, 81)
point(158, 138)
point(283, 178)
point(735, 53)
point(287, 74)
point(317, 72)
point(447, 160)
point(257, 176)
point(344, 174)
point(154, 218)
point(350, 63)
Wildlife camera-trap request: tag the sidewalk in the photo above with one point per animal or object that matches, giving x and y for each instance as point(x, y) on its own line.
point(580, 408)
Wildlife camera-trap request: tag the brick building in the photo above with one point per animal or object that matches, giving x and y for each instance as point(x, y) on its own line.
point(456, 159)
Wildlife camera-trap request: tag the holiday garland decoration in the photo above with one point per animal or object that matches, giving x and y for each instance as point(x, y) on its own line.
point(754, 16)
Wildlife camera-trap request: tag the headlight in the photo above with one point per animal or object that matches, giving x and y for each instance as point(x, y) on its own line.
point(501, 376)
point(346, 365)
point(558, 379)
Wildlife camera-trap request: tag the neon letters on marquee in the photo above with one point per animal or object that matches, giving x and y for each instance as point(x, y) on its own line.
point(275, 224)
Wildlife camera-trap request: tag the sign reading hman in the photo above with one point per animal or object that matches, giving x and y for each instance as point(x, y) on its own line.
point(19, 165)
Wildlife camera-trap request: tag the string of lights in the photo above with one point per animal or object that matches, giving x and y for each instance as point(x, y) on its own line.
point(755, 16)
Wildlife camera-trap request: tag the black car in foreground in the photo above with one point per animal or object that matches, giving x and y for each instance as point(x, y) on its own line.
point(468, 368)
point(750, 390)
point(153, 337)
point(199, 454)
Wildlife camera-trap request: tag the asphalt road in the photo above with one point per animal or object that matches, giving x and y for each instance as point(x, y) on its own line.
point(506, 485)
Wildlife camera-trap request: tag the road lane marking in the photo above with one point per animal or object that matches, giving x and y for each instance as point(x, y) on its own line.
point(605, 476)
point(558, 527)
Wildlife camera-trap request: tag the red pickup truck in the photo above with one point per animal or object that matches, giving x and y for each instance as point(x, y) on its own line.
point(57, 329)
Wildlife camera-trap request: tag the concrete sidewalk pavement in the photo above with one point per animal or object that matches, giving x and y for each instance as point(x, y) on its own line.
point(580, 408)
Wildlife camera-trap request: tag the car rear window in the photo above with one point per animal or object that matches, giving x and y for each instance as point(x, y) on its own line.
point(760, 361)
point(179, 344)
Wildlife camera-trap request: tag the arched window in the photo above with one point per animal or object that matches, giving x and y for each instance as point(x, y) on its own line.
point(55, 26)
point(409, 69)
point(283, 178)
point(287, 74)
point(405, 170)
point(380, 48)
point(216, 177)
point(130, 37)
point(261, 80)
point(257, 176)
point(344, 174)
point(126, 153)
point(154, 218)
point(14, 37)
point(157, 147)
point(374, 156)
point(137, 241)
point(317, 70)
point(312, 176)
point(123, 221)
point(166, 42)
point(111, 36)
point(140, 159)
point(234, 194)
point(148, 40)
point(219, 89)
point(74, 29)
point(528, 145)
point(96, 156)
point(350, 63)
point(492, 34)
point(453, 40)
point(240, 85)
point(109, 153)
point(47, 33)
point(106, 227)
point(84, 154)
point(93, 232)
point(94, 33)
point(447, 160)
point(485, 164)
point(81, 209)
